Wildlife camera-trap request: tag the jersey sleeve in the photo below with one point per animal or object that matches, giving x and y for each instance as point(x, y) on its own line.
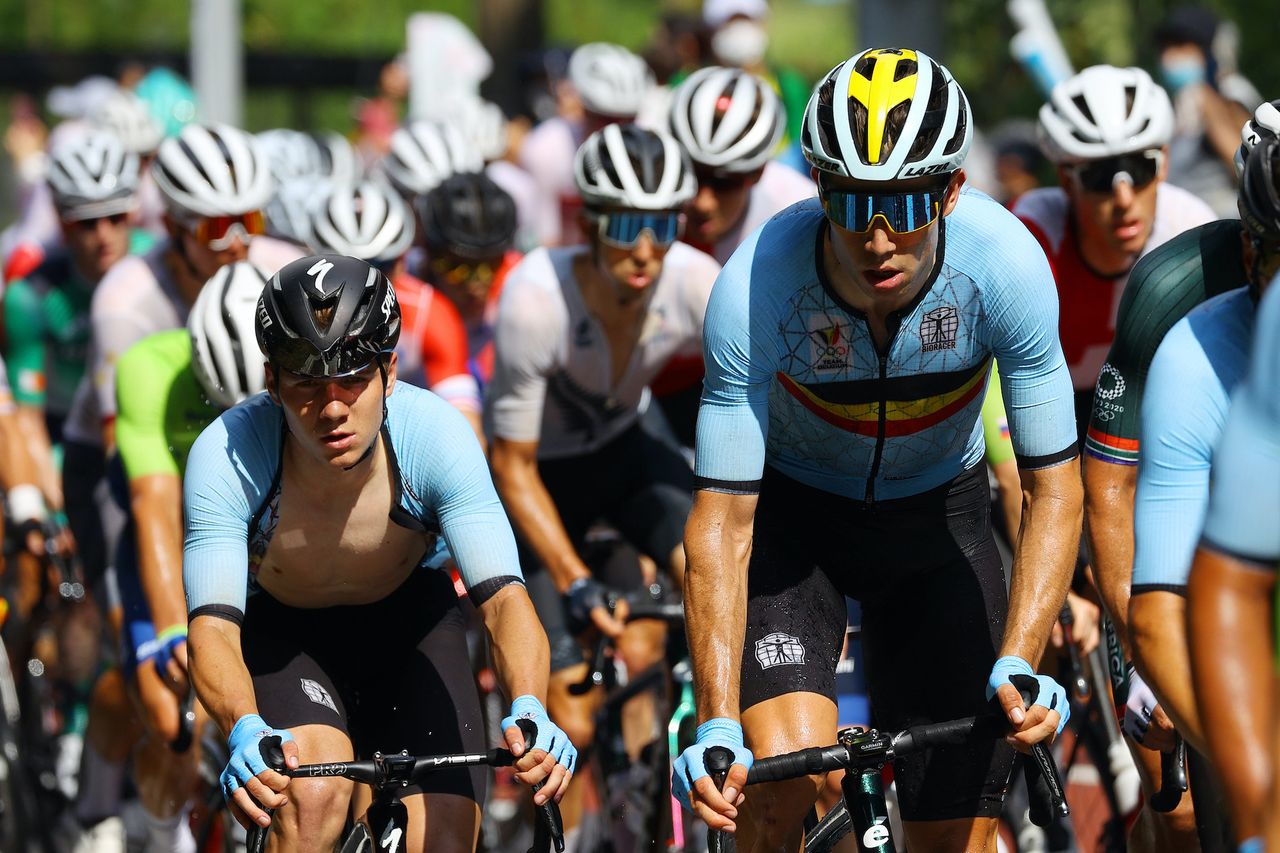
point(142, 390)
point(24, 344)
point(229, 472)
point(740, 348)
point(1023, 316)
point(1160, 292)
point(1182, 412)
point(444, 356)
point(525, 338)
point(447, 468)
point(1245, 499)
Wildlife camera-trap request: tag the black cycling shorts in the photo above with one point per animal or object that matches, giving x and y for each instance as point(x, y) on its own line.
point(393, 675)
point(934, 600)
point(641, 484)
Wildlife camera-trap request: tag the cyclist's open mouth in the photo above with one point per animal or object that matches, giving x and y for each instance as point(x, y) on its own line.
point(338, 440)
point(883, 279)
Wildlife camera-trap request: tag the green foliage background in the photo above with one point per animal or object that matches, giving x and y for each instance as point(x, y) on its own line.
point(810, 35)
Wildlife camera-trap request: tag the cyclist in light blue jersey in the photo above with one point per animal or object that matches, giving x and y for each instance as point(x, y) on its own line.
point(312, 516)
point(1231, 591)
point(839, 452)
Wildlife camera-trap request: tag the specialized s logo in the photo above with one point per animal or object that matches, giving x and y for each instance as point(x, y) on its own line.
point(779, 649)
point(938, 329)
point(317, 272)
point(829, 342)
point(388, 302)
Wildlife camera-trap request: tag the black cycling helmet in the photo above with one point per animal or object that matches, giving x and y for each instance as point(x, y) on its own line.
point(469, 216)
point(327, 316)
point(1259, 199)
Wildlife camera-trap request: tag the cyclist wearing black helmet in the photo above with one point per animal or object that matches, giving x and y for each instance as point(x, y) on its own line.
point(314, 514)
point(469, 226)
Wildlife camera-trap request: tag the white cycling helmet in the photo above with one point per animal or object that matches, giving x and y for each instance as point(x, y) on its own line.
point(288, 213)
point(1105, 111)
point(887, 114)
point(129, 118)
point(224, 348)
point(369, 221)
point(289, 154)
point(424, 153)
point(484, 126)
point(338, 162)
point(212, 170)
point(626, 166)
point(726, 119)
point(1266, 119)
point(610, 80)
point(92, 176)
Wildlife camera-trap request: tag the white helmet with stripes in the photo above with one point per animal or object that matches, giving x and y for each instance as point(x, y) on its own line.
point(369, 221)
point(424, 153)
point(727, 119)
point(212, 170)
point(92, 176)
point(623, 165)
point(610, 80)
point(129, 118)
point(1105, 111)
point(224, 347)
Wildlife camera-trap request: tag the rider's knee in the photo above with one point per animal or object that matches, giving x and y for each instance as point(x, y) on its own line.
point(317, 811)
point(641, 645)
point(775, 812)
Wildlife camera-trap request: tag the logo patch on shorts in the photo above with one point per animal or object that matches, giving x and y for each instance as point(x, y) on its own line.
point(779, 649)
point(318, 694)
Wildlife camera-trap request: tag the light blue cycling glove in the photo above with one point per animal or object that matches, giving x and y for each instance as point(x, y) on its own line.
point(245, 743)
point(550, 737)
point(1050, 695)
point(1252, 845)
point(689, 767)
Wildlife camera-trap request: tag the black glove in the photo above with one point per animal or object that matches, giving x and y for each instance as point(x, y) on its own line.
point(583, 596)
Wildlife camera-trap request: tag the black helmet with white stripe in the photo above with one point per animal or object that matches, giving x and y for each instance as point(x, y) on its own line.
point(727, 119)
point(1259, 198)
point(327, 316)
point(93, 176)
point(368, 221)
point(212, 170)
point(626, 166)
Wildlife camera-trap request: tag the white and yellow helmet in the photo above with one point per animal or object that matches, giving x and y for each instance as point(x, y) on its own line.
point(887, 114)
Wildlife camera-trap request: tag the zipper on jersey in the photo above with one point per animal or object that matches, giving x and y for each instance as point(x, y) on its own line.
point(878, 453)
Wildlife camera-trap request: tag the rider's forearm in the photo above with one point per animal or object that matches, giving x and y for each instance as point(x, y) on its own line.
point(521, 656)
point(218, 672)
point(1157, 626)
point(1229, 609)
point(157, 513)
point(36, 437)
point(1108, 507)
point(1010, 484)
point(1223, 119)
point(534, 515)
point(717, 543)
point(1045, 558)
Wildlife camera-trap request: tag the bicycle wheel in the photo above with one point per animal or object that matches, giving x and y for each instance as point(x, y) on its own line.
point(14, 803)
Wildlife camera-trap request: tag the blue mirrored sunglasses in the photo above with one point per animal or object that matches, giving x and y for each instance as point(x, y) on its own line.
point(623, 230)
point(902, 212)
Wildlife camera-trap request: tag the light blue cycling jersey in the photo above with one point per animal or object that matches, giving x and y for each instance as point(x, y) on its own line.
point(1244, 502)
point(794, 378)
point(438, 470)
point(1184, 409)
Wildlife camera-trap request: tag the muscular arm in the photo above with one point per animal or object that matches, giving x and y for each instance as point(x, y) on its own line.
point(1044, 557)
point(35, 436)
point(717, 542)
point(157, 512)
point(221, 679)
point(1109, 491)
point(1223, 119)
point(521, 656)
point(533, 513)
point(1229, 611)
point(1157, 622)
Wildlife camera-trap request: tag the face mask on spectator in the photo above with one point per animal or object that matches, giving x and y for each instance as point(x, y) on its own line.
point(740, 42)
point(1182, 72)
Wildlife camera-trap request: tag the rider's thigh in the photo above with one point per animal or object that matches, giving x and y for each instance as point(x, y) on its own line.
point(317, 809)
point(772, 815)
point(959, 835)
point(113, 723)
point(572, 713)
point(450, 821)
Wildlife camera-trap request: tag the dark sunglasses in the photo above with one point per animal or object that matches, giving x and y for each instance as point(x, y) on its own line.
point(116, 219)
point(1101, 176)
point(623, 230)
point(902, 213)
